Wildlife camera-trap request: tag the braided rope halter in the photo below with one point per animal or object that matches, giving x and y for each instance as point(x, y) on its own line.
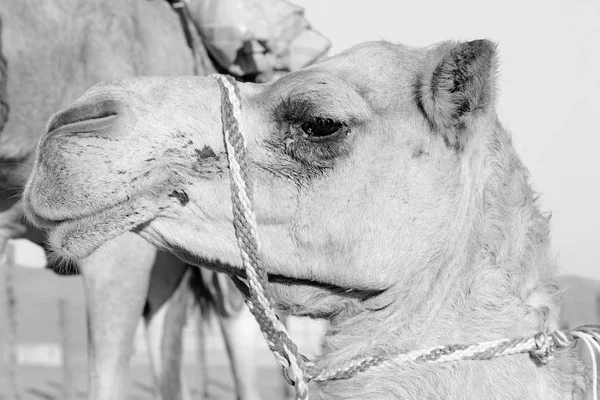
point(298, 370)
point(244, 221)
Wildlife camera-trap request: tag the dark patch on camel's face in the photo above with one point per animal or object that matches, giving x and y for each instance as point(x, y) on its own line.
point(419, 152)
point(180, 195)
point(205, 153)
point(208, 165)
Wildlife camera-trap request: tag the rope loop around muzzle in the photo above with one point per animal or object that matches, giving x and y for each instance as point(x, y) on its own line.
point(244, 221)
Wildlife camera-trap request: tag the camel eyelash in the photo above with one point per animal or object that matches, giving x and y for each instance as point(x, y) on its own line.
point(298, 110)
point(298, 117)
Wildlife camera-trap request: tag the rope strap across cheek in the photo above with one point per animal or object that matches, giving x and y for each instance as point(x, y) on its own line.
point(244, 222)
point(296, 368)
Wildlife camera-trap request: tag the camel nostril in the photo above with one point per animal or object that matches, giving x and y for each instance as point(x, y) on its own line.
point(84, 114)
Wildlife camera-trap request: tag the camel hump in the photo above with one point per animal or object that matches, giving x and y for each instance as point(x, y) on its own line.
point(457, 87)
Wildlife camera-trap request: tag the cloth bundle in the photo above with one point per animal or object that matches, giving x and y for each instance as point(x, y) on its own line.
point(253, 39)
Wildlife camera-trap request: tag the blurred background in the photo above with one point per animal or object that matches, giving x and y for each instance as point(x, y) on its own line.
point(548, 97)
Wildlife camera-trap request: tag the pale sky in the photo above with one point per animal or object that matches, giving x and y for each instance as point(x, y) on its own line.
point(549, 90)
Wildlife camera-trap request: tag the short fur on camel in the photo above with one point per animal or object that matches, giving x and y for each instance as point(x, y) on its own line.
point(389, 199)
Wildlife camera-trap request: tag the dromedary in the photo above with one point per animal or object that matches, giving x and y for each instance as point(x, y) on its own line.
point(55, 50)
point(389, 200)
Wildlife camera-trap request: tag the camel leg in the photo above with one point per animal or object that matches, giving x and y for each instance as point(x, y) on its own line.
point(116, 279)
point(239, 331)
point(164, 330)
point(239, 335)
point(202, 358)
point(11, 226)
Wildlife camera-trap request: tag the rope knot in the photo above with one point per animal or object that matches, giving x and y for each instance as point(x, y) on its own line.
point(544, 348)
point(298, 370)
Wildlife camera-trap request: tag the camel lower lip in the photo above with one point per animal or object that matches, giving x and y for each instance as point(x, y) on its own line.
point(77, 238)
point(49, 222)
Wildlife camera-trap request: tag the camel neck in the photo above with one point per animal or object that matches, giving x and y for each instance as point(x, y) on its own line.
point(451, 311)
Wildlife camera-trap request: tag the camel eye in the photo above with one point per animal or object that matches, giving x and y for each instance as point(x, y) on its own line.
point(321, 127)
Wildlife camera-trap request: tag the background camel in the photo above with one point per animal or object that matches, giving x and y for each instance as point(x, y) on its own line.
point(54, 51)
point(389, 200)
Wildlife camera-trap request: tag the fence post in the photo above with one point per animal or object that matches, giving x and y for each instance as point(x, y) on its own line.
point(201, 319)
point(64, 324)
point(7, 269)
point(598, 308)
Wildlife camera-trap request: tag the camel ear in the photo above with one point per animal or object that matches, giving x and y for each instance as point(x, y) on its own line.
point(457, 87)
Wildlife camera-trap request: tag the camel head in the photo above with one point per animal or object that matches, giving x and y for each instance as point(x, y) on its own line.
point(388, 198)
point(368, 168)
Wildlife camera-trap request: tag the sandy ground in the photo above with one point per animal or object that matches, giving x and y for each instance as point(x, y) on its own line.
point(39, 383)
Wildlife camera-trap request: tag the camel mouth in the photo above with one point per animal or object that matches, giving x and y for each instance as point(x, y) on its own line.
point(279, 282)
point(358, 292)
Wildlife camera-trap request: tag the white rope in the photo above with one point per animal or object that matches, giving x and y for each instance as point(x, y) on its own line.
point(244, 198)
point(591, 345)
point(288, 360)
